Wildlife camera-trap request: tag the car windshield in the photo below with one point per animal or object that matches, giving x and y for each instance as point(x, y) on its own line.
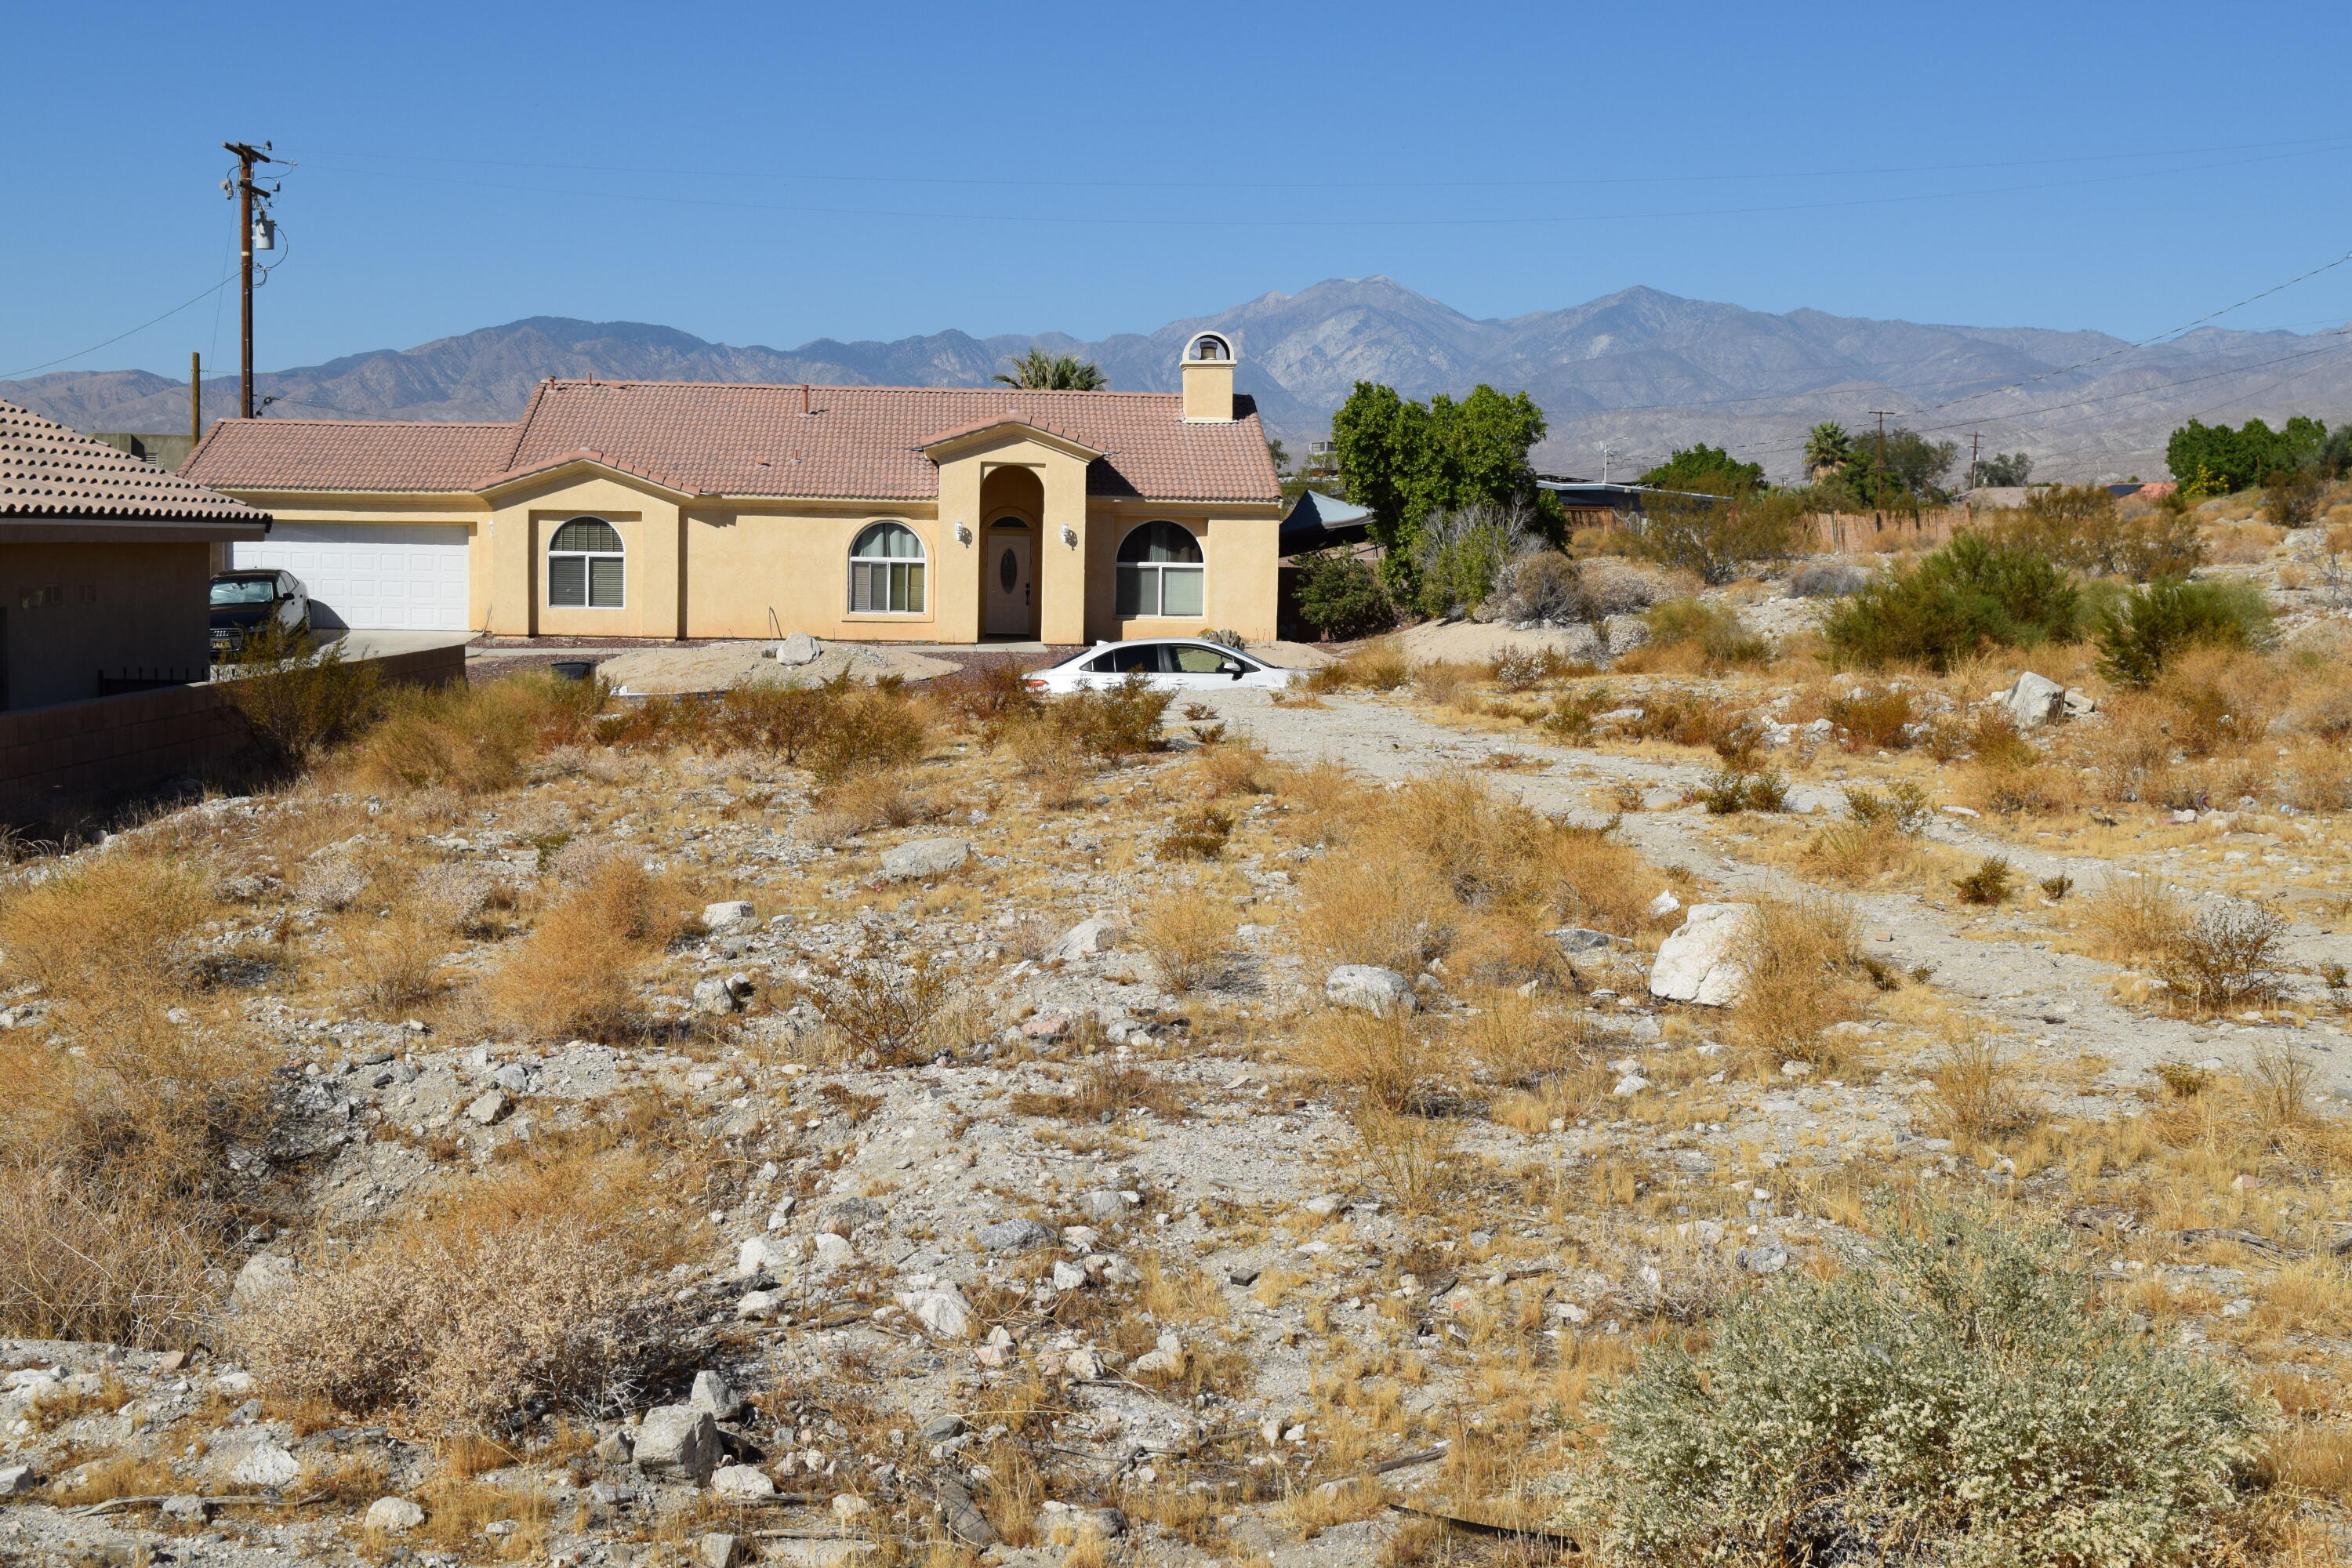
point(1208, 661)
point(231, 591)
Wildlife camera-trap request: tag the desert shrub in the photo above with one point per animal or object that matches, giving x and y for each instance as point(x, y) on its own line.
point(868, 729)
point(1188, 938)
point(774, 717)
point(1968, 595)
point(1389, 1058)
point(1964, 1399)
point(472, 739)
point(1198, 834)
point(1340, 596)
point(98, 1264)
point(890, 1013)
point(988, 696)
point(394, 963)
point(1447, 681)
point(1543, 586)
point(1714, 630)
point(2152, 625)
point(2228, 956)
point(300, 698)
point(1990, 883)
point(1733, 789)
point(2134, 919)
point(1410, 1159)
point(1977, 1096)
point(1111, 723)
point(2292, 498)
point(2220, 697)
point(1904, 808)
point(454, 896)
point(1871, 716)
point(332, 880)
point(864, 801)
point(111, 929)
point(1797, 961)
point(1826, 580)
point(1376, 667)
point(1713, 536)
point(540, 1293)
point(1235, 767)
point(2085, 528)
point(1618, 587)
point(1461, 555)
point(1852, 853)
point(576, 973)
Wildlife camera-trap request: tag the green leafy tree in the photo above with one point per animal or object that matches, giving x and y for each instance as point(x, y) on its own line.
point(1828, 448)
point(1038, 371)
point(1903, 469)
point(2218, 459)
point(2004, 469)
point(1405, 460)
point(1709, 468)
point(2142, 632)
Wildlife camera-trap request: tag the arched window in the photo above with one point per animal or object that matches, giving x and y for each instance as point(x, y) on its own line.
point(886, 572)
point(1159, 570)
point(585, 565)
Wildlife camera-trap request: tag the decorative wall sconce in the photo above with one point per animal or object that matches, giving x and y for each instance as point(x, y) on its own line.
point(964, 533)
point(1069, 536)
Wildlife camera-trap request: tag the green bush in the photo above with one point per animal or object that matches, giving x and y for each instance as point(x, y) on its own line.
point(2143, 630)
point(301, 699)
point(1464, 553)
point(1967, 595)
point(1964, 1399)
point(1712, 535)
point(1342, 597)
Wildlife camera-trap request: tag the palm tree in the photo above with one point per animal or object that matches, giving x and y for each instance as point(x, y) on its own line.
point(1828, 448)
point(1038, 371)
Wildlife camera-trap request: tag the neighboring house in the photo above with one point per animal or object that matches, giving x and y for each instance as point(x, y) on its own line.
point(104, 560)
point(676, 510)
point(1319, 521)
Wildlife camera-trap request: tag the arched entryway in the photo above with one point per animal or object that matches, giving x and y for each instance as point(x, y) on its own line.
point(1012, 509)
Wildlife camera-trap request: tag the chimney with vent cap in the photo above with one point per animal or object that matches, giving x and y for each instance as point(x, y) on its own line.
point(1208, 371)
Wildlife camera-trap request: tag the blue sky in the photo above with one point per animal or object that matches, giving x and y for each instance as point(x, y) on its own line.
point(773, 174)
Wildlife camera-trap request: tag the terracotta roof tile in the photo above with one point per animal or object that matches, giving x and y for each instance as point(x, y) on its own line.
point(718, 438)
point(350, 455)
point(47, 470)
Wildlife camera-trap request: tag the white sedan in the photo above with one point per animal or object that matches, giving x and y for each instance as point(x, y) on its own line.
point(1166, 664)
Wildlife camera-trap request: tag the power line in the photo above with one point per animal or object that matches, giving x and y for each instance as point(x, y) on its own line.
point(118, 337)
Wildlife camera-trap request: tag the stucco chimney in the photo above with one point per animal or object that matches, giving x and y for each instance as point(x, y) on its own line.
point(1208, 370)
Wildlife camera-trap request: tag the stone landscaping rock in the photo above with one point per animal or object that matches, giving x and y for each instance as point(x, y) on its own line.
point(799, 648)
point(1099, 934)
point(2033, 700)
point(755, 1306)
point(1665, 904)
point(1368, 988)
point(265, 1274)
point(770, 1255)
point(846, 1213)
point(266, 1465)
point(1015, 1236)
point(944, 1312)
point(678, 1442)
point(741, 1483)
point(924, 858)
point(393, 1515)
point(489, 1108)
point(718, 1550)
point(831, 1251)
point(710, 1393)
point(728, 914)
point(940, 1429)
point(715, 996)
point(1101, 1203)
point(1168, 1357)
point(187, 1507)
point(1695, 964)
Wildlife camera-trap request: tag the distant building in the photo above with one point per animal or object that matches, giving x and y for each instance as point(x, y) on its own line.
point(1319, 521)
point(165, 451)
point(104, 564)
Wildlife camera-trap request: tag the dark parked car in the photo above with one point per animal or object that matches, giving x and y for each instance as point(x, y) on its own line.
point(243, 601)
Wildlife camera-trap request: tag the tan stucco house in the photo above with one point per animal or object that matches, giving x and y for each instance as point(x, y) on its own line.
point(695, 510)
point(104, 560)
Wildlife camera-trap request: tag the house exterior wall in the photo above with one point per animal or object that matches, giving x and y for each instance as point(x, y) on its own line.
point(116, 607)
point(698, 566)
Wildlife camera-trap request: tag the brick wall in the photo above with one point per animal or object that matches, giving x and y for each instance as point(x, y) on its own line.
point(58, 759)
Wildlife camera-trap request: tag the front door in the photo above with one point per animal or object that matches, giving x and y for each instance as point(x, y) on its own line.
point(1010, 589)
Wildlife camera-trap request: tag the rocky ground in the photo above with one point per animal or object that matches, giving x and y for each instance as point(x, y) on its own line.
point(1109, 1265)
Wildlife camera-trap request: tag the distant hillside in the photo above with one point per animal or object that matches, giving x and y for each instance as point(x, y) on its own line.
point(1638, 371)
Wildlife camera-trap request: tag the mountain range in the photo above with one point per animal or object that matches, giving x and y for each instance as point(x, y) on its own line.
point(1638, 372)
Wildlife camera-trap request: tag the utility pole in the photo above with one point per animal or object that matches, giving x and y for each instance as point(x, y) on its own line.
point(196, 398)
point(1974, 436)
point(246, 157)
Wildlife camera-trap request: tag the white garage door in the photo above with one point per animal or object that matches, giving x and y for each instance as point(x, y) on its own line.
point(371, 576)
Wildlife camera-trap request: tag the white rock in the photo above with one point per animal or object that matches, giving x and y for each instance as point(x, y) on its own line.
point(1068, 1276)
point(1632, 1084)
point(924, 858)
point(1083, 1364)
point(1368, 988)
point(266, 1465)
point(1099, 934)
point(774, 1254)
point(799, 648)
point(233, 1384)
point(393, 1515)
point(741, 1483)
point(1168, 1358)
point(729, 913)
point(1961, 811)
point(2034, 701)
point(833, 1251)
point(944, 1312)
point(757, 1305)
point(710, 1393)
point(848, 1508)
point(15, 1480)
point(489, 1108)
point(1665, 904)
point(1695, 964)
point(678, 1442)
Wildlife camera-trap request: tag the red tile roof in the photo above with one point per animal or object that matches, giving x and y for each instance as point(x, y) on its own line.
point(863, 443)
point(350, 455)
point(49, 471)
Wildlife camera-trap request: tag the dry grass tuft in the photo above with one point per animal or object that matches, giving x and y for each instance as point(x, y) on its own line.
point(1799, 960)
point(1188, 938)
point(576, 974)
point(1977, 1097)
point(1387, 1060)
point(894, 1014)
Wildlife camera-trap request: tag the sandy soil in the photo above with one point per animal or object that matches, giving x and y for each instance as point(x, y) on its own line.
point(722, 666)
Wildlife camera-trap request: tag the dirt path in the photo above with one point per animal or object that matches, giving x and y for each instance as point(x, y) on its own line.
point(2059, 1000)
